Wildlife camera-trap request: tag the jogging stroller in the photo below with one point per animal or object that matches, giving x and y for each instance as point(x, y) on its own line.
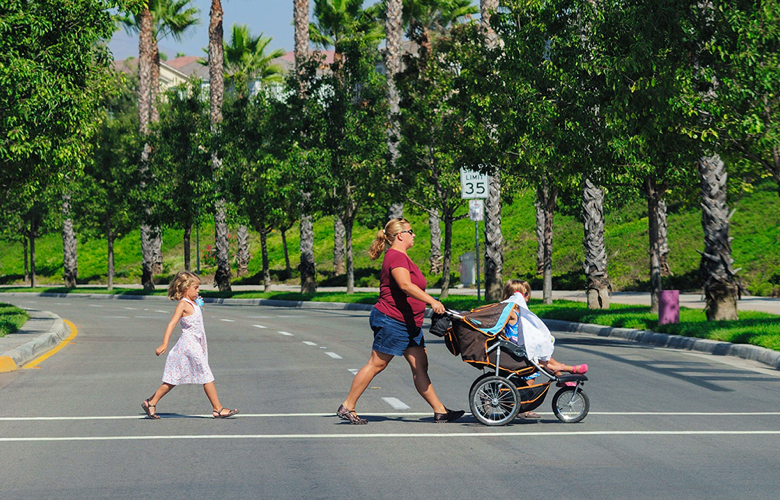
point(507, 385)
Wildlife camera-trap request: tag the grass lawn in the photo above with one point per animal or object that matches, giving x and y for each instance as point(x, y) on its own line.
point(11, 319)
point(757, 328)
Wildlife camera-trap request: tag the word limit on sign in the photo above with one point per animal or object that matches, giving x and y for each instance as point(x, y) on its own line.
point(473, 185)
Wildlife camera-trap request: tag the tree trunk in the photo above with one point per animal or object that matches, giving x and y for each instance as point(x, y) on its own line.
point(348, 226)
point(435, 257)
point(301, 22)
point(145, 53)
point(243, 251)
point(216, 91)
point(157, 255)
point(494, 242)
point(550, 195)
point(288, 266)
point(447, 261)
point(339, 233)
point(663, 238)
point(721, 287)
point(264, 250)
point(187, 246)
point(70, 259)
point(394, 33)
point(539, 205)
point(599, 287)
point(307, 266)
point(26, 260)
point(110, 239)
point(653, 195)
point(154, 117)
point(32, 257)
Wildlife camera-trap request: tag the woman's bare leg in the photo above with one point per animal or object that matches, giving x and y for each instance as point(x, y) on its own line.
point(418, 361)
point(376, 363)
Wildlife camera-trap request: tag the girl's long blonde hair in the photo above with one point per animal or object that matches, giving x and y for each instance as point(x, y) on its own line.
point(385, 237)
point(512, 286)
point(180, 284)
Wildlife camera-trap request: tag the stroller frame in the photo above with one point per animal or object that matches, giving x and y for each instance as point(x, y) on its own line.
point(498, 395)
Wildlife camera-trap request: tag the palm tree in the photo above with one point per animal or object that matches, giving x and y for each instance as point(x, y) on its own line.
point(335, 19)
point(70, 256)
point(393, 33)
point(307, 267)
point(246, 60)
point(160, 19)
point(216, 93)
point(598, 286)
point(494, 251)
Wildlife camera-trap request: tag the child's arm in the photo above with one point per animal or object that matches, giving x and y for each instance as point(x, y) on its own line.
point(171, 325)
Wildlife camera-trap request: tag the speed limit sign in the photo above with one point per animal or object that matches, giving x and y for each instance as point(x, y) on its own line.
point(473, 185)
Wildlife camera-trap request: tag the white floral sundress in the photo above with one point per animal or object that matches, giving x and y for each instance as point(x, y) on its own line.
point(188, 361)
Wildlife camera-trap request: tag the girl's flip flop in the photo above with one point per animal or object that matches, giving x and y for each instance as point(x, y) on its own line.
point(580, 369)
point(219, 414)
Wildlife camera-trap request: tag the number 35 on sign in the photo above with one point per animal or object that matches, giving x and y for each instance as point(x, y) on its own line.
point(473, 185)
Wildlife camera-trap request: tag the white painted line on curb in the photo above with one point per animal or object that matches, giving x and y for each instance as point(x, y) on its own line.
point(260, 326)
point(308, 342)
point(288, 334)
point(396, 404)
point(393, 435)
point(333, 355)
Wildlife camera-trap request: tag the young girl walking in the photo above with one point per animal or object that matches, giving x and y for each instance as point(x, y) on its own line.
point(188, 361)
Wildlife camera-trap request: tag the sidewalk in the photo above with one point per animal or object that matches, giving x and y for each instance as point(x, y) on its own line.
point(43, 331)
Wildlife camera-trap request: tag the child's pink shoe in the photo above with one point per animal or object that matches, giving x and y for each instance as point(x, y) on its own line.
point(580, 369)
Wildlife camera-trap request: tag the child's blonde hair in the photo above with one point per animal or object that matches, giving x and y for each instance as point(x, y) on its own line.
point(385, 237)
point(512, 286)
point(180, 284)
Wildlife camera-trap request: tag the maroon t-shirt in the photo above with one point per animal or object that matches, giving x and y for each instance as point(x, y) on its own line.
point(392, 300)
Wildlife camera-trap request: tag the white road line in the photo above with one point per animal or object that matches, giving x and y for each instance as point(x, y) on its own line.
point(159, 311)
point(227, 320)
point(353, 370)
point(393, 435)
point(95, 305)
point(287, 334)
point(260, 326)
point(308, 342)
point(333, 355)
point(114, 317)
point(259, 317)
point(379, 414)
point(131, 308)
point(396, 404)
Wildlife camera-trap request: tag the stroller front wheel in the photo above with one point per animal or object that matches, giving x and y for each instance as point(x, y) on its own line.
point(494, 400)
point(570, 405)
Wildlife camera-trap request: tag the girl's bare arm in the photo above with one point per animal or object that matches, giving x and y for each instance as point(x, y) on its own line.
point(177, 314)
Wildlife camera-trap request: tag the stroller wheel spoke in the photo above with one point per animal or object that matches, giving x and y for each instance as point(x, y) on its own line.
point(494, 400)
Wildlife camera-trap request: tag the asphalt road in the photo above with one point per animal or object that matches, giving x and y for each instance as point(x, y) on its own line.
point(663, 423)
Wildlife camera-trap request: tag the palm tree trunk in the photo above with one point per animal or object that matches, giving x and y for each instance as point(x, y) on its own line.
point(263, 230)
point(243, 251)
point(494, 241)
point(653, 195)
point(598, 285)
point(145, 53)
point(721, 287)
point(348, 226)
point(110, 239)
point(187, 246)
point(70, 259)
point(393, 32)
point(216, 91)
point(435, 257)
point(549, 197)
point(339, 233)
point(663, 238)
point(301, 22)
point(447, 261)
point(539, 206)
point(307, 266)
point(287, 265)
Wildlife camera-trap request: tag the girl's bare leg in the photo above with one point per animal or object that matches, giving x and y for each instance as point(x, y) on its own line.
point(376, 363)
point(418, 361)
point(211, 393)
point(164, 389)
point(557, 366)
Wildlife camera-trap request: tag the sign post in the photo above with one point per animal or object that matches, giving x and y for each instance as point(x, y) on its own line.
point(475, 187)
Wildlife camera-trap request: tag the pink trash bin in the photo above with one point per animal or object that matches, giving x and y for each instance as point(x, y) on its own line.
point(668, 306)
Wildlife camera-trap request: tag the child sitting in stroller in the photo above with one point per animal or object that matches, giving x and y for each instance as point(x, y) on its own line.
point(527, 329)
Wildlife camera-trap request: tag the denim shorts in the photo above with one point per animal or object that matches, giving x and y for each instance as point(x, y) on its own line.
point(392, 336)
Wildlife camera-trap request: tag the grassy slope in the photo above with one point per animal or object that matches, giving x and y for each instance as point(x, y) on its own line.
point(755, 229)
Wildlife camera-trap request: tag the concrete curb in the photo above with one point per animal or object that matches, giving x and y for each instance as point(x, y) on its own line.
point(716, 348)
point(45, 330)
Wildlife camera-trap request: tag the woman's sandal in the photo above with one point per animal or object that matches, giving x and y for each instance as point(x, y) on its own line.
point(219, 414)
point(148, 409)
point(350, 415)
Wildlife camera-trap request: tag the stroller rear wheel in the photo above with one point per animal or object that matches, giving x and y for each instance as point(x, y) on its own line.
point(570, 405)
point(494, 400)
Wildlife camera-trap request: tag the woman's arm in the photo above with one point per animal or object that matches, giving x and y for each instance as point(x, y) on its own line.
point(404, 281)
point(171, 325)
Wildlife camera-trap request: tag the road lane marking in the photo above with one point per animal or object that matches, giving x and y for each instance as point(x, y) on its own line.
point(333, 355)
point(392, 435)
point(40, 359)
point(260, 326)
point(227, 320)
point(376, 414)
point(308, 342)
point(354, 371)
point(95, 305)
point(396, 404)
point(114, 317)
point(160, 311)
point(288, 334)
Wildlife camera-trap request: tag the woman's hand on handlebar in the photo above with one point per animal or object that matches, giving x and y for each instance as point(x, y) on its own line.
point(437, 307)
